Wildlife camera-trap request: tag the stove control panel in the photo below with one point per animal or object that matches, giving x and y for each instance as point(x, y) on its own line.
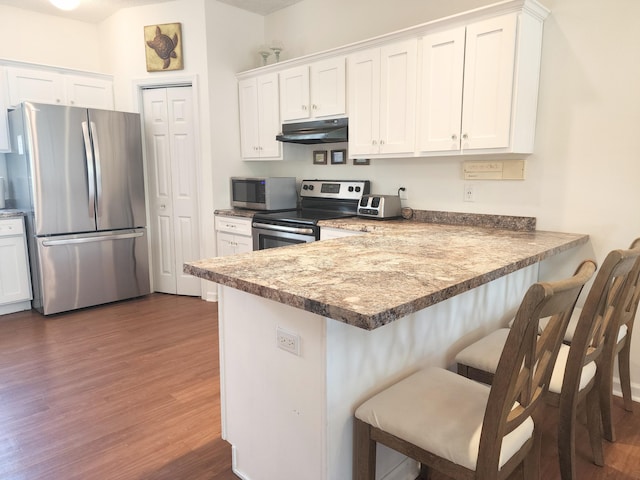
point(337, 189)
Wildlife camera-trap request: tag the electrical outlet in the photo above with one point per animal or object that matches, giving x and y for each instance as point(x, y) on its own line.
point(288, 341)
point(469, 193)
point(402, 193)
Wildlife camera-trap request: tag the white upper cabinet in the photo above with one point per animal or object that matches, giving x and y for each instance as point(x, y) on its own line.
point(89, 92)
point(311, 91)
point(259, 117)
point(382, 99)
point(479, 87)
point(440, 107)
point(53, 87)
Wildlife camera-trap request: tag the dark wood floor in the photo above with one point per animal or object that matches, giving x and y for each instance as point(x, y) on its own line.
point(130, 391)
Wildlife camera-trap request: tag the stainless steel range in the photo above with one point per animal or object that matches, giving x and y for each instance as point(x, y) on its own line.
point(319, 200)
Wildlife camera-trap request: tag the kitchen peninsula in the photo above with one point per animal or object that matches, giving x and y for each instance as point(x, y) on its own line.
point(360, 312)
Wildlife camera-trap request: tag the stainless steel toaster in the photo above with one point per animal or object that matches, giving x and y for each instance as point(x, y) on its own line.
point(379, 206)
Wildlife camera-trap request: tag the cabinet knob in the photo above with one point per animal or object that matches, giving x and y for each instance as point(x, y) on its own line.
point(373, 142)
point(163, 207)
point(304, 107)
point(454, 137)
point(465, 136)
point(57, 100)
point(381, 142)
point(315, 107)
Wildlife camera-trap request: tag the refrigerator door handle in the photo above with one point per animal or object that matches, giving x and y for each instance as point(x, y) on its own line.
point(99, 238)
point(90, 170)
point(96, 151)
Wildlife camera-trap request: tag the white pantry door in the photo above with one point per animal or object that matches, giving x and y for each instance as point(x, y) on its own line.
point(173, 187)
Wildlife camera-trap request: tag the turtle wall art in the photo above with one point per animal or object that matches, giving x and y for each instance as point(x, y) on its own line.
point(163, 47)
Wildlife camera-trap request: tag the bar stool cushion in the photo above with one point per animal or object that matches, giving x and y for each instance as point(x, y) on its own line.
point(588, 371)
point(441, 412)
point(485, 354)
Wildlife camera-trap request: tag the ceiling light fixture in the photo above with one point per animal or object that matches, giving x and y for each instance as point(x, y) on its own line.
point(66, 4)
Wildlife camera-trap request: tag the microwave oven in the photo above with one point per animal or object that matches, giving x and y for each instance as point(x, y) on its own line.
point(264, 193)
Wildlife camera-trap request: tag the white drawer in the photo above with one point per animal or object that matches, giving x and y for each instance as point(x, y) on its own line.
point(236, 225)
point(10, 227)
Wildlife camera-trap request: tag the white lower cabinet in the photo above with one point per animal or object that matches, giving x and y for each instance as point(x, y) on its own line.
point(15, 284)
point(233, 235)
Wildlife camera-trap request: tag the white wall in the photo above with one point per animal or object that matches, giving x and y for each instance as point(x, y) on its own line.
point(49, 40)
point(584, 174)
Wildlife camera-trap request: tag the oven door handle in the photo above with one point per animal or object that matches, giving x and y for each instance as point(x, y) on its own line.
point(280, 228)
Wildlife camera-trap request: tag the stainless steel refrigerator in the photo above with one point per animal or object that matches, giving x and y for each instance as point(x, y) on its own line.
point(78, 173)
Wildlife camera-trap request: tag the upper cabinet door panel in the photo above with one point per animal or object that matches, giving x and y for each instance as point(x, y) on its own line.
point(488, 83)
point(328, 88)
point(364, 102)
point(269, 117)
point(40, 86)
point(248, 99)
point(440, 106)
point(294, 94)
point(89, 92)
point(398, 77)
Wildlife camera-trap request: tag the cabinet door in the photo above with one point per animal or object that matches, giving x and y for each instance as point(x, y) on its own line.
point(14, 268)
point(440, 105)
point(5, 144)
point(328, 88)
point(35, 85)
point(398, 79)
point(248, 99)
point(488, 83)
point(294, 94)
point(229, 244)
point(89, 92)
point(364, 102)
point(269, 117)
point(225, 244)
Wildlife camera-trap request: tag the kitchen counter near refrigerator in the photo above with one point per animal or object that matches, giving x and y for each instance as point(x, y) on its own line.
point(346, 317)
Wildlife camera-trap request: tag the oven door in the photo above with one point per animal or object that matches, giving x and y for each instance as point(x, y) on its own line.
point(266, 235)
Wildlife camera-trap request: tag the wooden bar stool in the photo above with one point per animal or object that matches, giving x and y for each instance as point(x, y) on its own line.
point(578, 369)
point(620, 348)
point(462, 428)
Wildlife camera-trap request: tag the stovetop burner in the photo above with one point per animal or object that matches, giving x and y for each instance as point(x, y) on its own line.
point(309, 216)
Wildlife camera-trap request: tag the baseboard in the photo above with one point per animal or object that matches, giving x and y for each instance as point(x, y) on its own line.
point(635, 389)
point(234, 466)
point(407, 470)
point(211, 296)
point(15, 307)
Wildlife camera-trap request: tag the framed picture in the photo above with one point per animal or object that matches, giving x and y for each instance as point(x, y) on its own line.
point(320, 157)
point(163, 47)
point(338, 157)
point(361, 161)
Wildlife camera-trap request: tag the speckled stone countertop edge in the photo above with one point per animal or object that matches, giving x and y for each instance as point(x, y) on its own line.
point(11, 212)
point(506, 222)
point(388, 315)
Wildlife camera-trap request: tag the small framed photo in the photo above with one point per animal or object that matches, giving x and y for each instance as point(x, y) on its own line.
point(338, 157)
point(320, 157)
point(361, 161)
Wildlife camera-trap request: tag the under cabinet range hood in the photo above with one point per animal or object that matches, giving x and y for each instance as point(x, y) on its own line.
point(318, 131)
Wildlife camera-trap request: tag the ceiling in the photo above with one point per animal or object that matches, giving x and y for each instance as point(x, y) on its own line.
point(95, 11)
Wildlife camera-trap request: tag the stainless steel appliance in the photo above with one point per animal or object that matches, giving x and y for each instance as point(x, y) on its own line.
point(320, 200)
point(264, 193)
point(78, 173)
point(315, 131)
point(380, 206)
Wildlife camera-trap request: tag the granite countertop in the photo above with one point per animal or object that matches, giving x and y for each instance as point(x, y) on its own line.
point(11, 212)
point(398, 268)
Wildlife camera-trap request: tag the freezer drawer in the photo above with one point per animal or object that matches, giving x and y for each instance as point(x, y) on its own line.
point(79, 271)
